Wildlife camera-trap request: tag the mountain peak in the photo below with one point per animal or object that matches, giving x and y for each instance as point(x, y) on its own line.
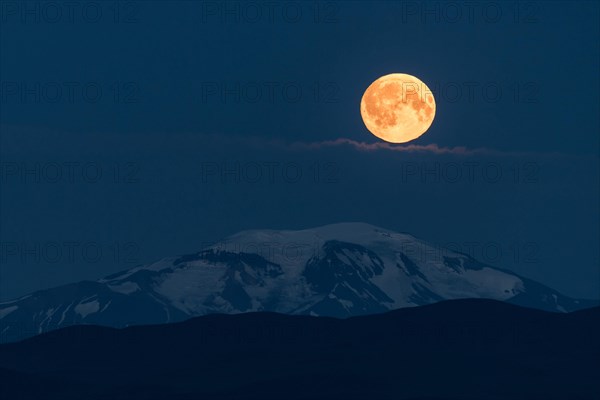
point(338, 270)
point(337, 231)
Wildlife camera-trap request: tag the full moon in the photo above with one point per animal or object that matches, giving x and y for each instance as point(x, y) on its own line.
point(397, 108)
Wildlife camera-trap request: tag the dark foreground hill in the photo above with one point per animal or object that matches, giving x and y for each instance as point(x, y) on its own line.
point(459, 349)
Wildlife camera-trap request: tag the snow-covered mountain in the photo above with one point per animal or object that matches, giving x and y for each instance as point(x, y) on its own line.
point(336, 270)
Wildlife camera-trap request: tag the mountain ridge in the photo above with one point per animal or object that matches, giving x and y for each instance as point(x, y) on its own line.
point(339, 270)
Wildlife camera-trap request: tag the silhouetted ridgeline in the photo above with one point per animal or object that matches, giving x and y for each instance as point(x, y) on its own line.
point(459, 349)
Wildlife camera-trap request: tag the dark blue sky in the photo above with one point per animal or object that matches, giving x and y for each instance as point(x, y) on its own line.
point(142, 131)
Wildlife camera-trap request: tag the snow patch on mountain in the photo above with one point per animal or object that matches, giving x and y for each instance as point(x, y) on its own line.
point(5, 311)
point(125, 287)
point(85, 309)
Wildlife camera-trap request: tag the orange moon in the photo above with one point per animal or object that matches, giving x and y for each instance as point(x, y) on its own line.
point(397, 108)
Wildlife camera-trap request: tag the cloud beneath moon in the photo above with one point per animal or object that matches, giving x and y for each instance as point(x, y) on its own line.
point(409, 148)
point(379, 146)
